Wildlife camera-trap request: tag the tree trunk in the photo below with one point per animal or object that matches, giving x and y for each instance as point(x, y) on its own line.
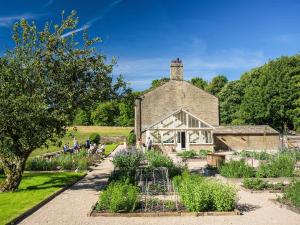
point(13, 169)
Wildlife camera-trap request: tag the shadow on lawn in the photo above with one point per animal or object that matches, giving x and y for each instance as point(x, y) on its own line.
point(52, 182)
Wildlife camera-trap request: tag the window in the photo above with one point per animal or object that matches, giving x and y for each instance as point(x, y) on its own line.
point(194, 137)
point(155, 136)
point(193, 122)
point(168, 137)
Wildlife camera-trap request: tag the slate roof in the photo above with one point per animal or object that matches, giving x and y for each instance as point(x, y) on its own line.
point(246, 129)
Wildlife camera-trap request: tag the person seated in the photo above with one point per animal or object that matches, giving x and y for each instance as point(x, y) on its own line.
point(66, 148)
point(93, 149)
point(87, 143)
point(101, 149)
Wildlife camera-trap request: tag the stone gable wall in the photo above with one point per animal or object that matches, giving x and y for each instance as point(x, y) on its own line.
point(174, 95)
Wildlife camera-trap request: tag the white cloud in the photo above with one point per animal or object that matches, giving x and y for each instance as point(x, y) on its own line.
point(75, 31)
point(105, 11)
point(50, 2)
point(140, 72)
point(7, 21)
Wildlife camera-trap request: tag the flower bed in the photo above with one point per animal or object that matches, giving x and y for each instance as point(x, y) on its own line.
point(81, 161)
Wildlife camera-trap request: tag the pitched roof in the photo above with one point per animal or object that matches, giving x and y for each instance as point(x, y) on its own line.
point(246, 129)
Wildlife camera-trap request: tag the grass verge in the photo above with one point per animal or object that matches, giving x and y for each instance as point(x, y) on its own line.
point(34, 188)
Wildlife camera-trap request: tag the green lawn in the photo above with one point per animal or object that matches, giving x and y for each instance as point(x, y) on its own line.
point(110, 148)
point(34, 188)
point(82, 133)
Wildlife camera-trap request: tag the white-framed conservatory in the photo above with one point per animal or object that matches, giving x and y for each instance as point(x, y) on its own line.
point(181, 130)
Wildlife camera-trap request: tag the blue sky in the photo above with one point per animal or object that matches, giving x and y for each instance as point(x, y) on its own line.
point(210, 36)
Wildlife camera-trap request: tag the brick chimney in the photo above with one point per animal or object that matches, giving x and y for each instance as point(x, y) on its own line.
point(176, 69)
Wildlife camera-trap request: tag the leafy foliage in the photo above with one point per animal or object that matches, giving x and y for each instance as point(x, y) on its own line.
point(95, 138)
point(292, 194)
point(128, 160)
point(157, 159)
point(74, 161)
point(119, 197)
point(282, 165)
point(187, 154)
point(131, 138)
point(216, 84)
point(199, 82)
point(236, 169)
point(269, 94)
point(42, 80)
point(82, 117)
point(201, 194)
point(254, 183)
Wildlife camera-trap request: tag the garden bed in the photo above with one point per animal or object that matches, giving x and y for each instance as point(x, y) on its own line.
point(152, 185)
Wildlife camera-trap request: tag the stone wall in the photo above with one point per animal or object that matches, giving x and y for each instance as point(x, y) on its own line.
point(246, 141)
point(175, 95)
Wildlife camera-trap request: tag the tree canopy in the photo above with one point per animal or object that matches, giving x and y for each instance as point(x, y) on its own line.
point(269, 94)
point(43, 81)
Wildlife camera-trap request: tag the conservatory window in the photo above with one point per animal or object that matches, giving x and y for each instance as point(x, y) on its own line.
point(155, 136)
point(193, 122)
point(168, 137)
point(194, 137)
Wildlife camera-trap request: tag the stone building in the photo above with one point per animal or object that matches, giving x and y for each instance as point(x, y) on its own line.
point(180, 116)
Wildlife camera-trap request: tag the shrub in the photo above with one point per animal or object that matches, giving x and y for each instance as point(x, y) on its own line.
point(119, 197)
point(195, 194)
point(128, 159)
point(131, 138)
point(254, 183)
point(292, 194)
point(236, 169)
point(187, 154)
point(95, 138)
point(280, 166)
point(224, 196)
point(203, 153)
point(157, 159)
point(74, 161)
point(201, 194)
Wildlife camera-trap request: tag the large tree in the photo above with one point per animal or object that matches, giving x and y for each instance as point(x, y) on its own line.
point(272, 94)
point(43, 80)
point(230, 98)
point(199, 82)
point(216, 84)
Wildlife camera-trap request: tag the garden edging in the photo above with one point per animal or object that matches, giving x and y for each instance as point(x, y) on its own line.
point(288, 207)
point(93, 213)
point(43, 202)
point(260, 191)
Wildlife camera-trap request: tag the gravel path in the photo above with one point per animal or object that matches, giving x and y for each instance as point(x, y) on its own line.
point(71, 207)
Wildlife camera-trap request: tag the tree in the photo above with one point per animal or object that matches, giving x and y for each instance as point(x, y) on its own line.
point(159, 82)
point(82, 117)
point(272, 93)
point(105, 114)
point(199, 82)
point(216, 85)
point(230, 99)
point(42, 80)
point(126, 109)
